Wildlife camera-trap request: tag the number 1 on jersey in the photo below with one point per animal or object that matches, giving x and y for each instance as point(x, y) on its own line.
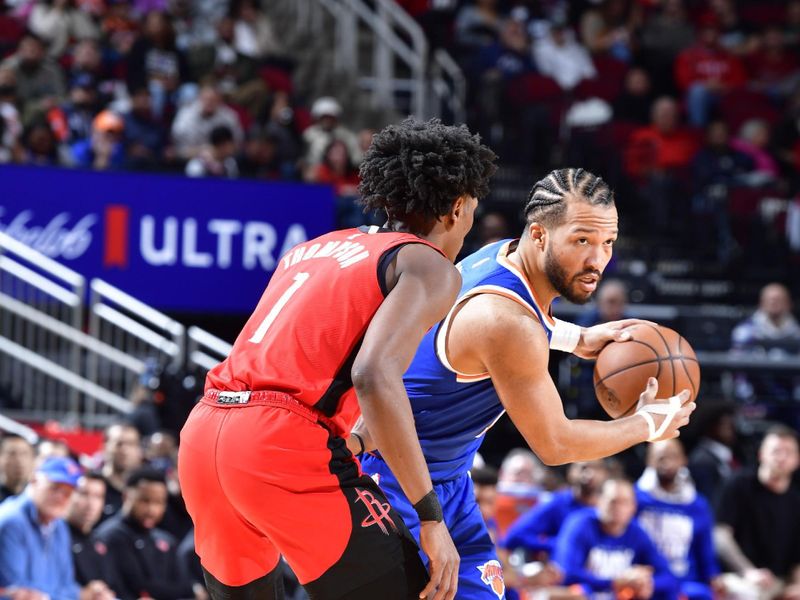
point(299, 280)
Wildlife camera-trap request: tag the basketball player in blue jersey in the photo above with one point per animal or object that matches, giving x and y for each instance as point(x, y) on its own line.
point(490, 356)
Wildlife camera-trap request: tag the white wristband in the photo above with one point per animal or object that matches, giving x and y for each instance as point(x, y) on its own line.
point(668, 409)
point(565, 336)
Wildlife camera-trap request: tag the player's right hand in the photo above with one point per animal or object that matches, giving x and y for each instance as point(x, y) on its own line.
point(659, 411)
point(443, 560)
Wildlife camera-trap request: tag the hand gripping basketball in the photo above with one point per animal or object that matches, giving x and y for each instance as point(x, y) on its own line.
point(674, 412)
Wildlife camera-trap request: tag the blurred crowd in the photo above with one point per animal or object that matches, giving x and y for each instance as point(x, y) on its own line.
point(688, 107)
point(720, 521)
point(203, 88)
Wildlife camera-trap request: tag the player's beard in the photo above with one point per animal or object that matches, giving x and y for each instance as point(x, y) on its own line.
point(562, 282)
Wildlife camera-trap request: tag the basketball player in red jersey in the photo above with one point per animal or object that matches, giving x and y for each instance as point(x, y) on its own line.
point(263, 463)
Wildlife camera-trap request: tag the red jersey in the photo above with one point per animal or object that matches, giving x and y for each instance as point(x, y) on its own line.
point(308, 326)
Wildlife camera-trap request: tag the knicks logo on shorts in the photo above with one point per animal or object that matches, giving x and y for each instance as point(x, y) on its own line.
point(492, 575)
point(377, 511)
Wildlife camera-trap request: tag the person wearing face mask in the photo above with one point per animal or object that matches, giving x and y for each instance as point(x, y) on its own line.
point(35, 557)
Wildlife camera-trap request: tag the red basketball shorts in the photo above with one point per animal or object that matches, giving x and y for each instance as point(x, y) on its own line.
point(264, 478)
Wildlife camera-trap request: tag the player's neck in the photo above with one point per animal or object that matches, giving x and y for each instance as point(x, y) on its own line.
point(438, 235)
point(534, 275)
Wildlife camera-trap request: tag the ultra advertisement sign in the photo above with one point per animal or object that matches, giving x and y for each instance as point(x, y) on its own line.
point(176, 243)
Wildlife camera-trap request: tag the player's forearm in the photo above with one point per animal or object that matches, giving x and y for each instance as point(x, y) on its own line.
point(388, 418)
point(582, 440)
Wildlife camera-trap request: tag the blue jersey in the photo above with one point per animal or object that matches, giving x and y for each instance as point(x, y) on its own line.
point(453, 410)
point(592, 558)
point(683, 532)
point(536, 530)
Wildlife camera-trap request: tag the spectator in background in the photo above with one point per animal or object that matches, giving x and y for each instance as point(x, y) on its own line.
point(607, 29)
point(477, 25)
point(773, 69)
point(365, 139)
point(10, 121)
point(338, 170)
point(58, 22)
point(144, 558)
point(559, 56)
point(663, 146)
point(326, 112)
point(496, 65)
point(282, 125)
point(105, 149)
point(773, 331)
point(122, 454)
point(536, 531)
point(39, 81)
point(712, 462)
point(663, 37)
point(758, 522)
point(736, 34)
point(120, 28)
point(787, 138)
point(40, 146)
point(262, 159)
point(678, 519)
point(144, 134)
point(89, 557)
point(753, 141)
point(611, 304)
point(772, 328)
point(51, 448)
point(155, 61)
point(706, 71)
point(519, 487)
point(634, 104)
point(72, 121)
point(218, 157)
point(656, 157)
point(493, 227)
point(35, 555)
point(87, 60)
point(607, 552)
point(716, 168)
point(791, 25)
point(16, 464)
point(253, 33)
point(194, 122)
point(484, 480)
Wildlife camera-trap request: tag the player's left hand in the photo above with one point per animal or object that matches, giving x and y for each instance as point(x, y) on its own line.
point(594, 339)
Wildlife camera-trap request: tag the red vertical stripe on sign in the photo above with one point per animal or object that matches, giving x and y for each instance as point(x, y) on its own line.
point(116, 236)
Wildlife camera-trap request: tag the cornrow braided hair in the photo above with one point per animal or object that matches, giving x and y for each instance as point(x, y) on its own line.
point(418, 168)
point(547, 200)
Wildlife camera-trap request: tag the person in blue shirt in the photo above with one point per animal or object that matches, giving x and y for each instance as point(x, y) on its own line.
point(490, 355)
point(678, 519)
point(536, 530)
point(35, 555)
point(606, 552)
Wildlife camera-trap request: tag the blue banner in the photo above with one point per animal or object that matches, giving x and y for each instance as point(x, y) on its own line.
point(173, 242)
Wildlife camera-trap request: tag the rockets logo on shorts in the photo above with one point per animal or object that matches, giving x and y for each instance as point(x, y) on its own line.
point(492, 575)
point(377, 511)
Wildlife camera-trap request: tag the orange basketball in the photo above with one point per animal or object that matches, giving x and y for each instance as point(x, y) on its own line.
point(623, 368)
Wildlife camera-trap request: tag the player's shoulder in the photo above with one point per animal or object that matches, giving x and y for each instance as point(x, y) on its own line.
point(425, 261)
point(500, 315)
